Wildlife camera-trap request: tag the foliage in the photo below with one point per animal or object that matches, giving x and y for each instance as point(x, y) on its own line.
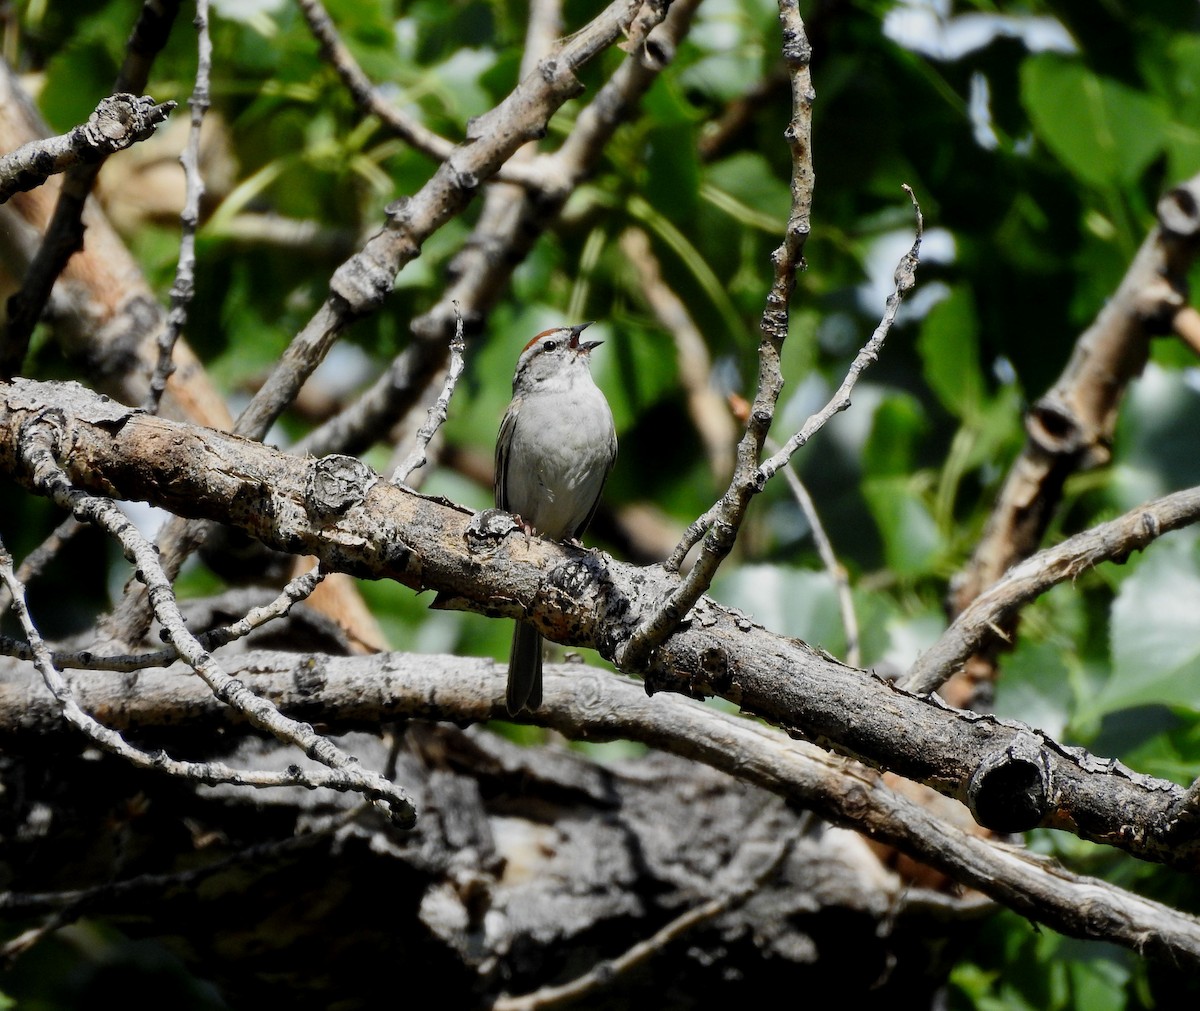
point(1037, 157)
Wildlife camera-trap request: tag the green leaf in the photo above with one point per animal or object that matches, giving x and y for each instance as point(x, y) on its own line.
point(795, 602)
point(910, 534)
point(1176, 80)
point(673, 170)
point(745, 187)
point(1035, 688)
point(949, 347)
point(896, 431)
point(894, 635)
point(1154, 645)
point(1102, 131)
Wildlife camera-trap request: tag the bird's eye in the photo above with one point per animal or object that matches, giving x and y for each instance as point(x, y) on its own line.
point(550, 345)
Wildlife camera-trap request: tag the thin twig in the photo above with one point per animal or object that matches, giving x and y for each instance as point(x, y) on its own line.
point(438, 412)
point(184, 286)
point(837, 571)
point(905, 278)
point(361, 284)
point(208, 773)
point(509, 226)
point(720, 524)
point(296, 590)
point(43, 555)
point(409, 129)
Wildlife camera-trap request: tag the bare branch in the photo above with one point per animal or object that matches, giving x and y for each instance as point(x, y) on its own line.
point(360, 285)
point(720, 524)
point(370, 527)
point(1113, 541)
point(584, 703)
point(64, 234)
point(1071, 426)
point(438, 412)
point(905, 279)
point(295, 591)
point(104, 315)
point(837, 571)
point(511, 222)
point(185, 272)
point(409, 129)
point(209, 773)
point(42, 555)
point(120, 121)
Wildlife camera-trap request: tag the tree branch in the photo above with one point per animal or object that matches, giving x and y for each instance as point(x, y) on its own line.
point(1113, 541)
point(38, 446)
point(719, 526)
point(1071, 426)
point(120, 121)
point(360, 285)
point(184, 286)
point(590, 704)
point(510, 224)
point(373, 529)
point(64, 234)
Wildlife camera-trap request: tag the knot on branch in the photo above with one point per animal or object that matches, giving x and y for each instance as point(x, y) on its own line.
point(638, 43)
point(42, 440)
point(571, 587)
point(1179, 213)
point(1157, 304)
point(797, 50)
point(362, 282)
point(1053, 426)
point(366, 279)
point(715, 669)
point(488, 528)
point(1010, 790)
point(336, 483)
point(463, 179)
point(560, 75)
point(120, 121)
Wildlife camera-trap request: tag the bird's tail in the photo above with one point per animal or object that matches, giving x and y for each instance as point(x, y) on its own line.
point(525, 669)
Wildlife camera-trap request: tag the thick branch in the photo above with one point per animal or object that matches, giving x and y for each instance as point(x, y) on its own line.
point(589, 704)
point(1071, 427)
point(482, 563)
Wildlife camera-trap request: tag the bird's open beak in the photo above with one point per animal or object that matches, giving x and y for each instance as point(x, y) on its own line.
point(576, 343)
